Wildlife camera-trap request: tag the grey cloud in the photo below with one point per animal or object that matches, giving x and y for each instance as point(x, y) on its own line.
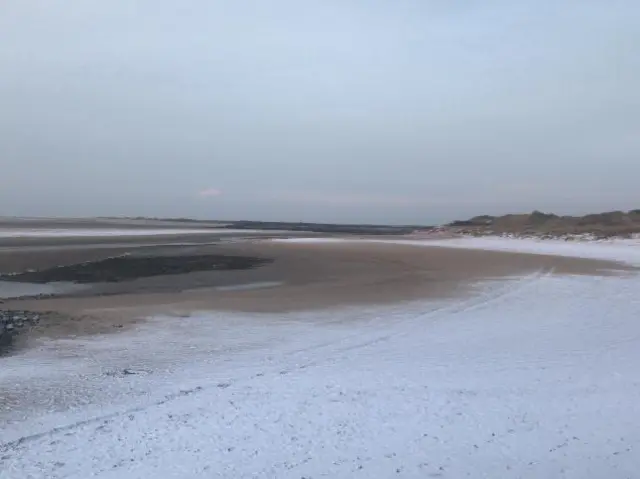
point(409, 111)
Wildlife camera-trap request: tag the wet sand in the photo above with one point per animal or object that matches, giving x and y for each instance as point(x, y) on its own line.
point(294, 277)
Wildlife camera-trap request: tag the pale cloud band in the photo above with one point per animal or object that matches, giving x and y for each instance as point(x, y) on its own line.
point(209, 193)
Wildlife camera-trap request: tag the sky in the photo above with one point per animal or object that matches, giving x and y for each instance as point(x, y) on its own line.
point(363, 111)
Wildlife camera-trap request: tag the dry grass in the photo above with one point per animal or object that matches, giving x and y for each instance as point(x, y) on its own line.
point(612, 223)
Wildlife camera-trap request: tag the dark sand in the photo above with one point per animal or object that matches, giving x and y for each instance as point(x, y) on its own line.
point(301, 276)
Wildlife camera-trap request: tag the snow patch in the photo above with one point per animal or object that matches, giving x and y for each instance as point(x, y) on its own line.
point(622, 250)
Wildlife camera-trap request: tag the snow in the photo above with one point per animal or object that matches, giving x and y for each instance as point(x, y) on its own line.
point(528, 378)
point(623, 250)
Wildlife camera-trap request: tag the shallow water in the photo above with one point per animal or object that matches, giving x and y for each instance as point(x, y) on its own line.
point(249, 286)
point(111, 232)
point(11, 289)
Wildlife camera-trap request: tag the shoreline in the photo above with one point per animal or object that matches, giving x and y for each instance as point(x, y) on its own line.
point(301, 275)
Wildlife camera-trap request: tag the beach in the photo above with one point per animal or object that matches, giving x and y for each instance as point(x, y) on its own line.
point(291, 275)
point(347, 357)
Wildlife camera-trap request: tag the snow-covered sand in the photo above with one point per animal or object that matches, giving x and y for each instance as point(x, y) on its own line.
point(528, 378)
point(624, 250)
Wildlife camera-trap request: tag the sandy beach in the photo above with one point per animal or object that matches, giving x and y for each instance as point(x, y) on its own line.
point(293, 276)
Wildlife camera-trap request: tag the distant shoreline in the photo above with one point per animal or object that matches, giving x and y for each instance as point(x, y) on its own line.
point(192, 225)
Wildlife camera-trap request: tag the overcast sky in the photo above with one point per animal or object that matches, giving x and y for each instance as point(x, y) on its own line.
point(321, 110)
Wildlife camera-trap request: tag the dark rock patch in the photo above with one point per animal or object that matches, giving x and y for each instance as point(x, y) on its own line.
point(12, 323)
point(124, 268)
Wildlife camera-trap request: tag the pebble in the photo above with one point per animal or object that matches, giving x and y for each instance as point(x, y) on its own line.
point(13, 320)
